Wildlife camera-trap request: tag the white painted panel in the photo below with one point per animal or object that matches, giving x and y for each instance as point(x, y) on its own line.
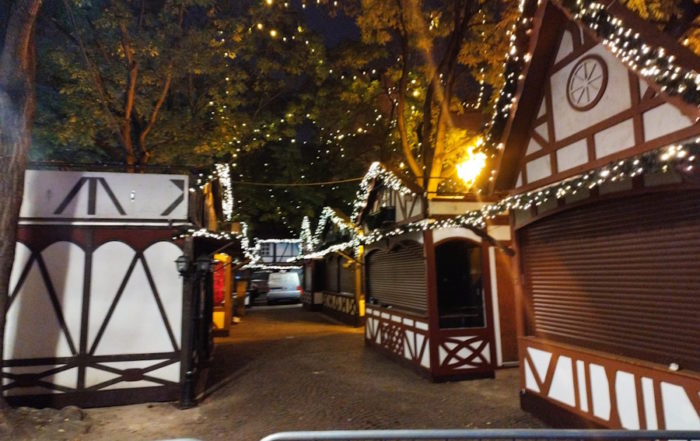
point(533, 146)
point(408, 341)
point(368, 327)
point(136, 325)
point(540, 359)
point(626, 394)
point(170, 372)
point(572, 155)
point(614, 139)
point(499, 232)
point(450, 345)
point(543, 131)
point(462, 353)
point(679, 412)
point(600, 394)
point(93, 376)
point(494, 302)
point(408, 322)
point(519, 182)
point(615, 99)
point(566, 46)
point(539, 168)
point(530, 382)
point(643, 86)
point(543, 109)
point(406, 349)
point(110, 263)
point(442, 354)
point(422, 325)
point(123, 196)
point(448, 233)
point(65, 263)
point(649, 403)
point(32, 328)
point(487, 353)
point(562, 388)
point(663, 120)
point(582, 392)
point(22, 255)
point(425, 360)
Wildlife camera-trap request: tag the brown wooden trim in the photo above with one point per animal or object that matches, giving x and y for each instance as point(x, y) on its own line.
point(598, 127)
point(641, 412)
point(590, 147)
point(433, 312)
point(658, 404)
point(577, 52)
point(635, 99)
point(595, 197)
point(654, 144)
point(550, 112)
point(553, 163)
point(553, 414)
point(98, 398)
point(539, 139)
point(541, 119)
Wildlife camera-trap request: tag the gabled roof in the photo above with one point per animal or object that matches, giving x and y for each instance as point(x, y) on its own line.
point(388, 178)
point(619, 30)
point(335, 217)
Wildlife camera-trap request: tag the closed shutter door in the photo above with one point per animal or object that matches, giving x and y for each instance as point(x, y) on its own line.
point(347, 279)
point(397, 277)
point(332, 274)
point(621, 276)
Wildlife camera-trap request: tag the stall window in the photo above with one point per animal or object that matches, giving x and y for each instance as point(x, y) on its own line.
point(460, 289)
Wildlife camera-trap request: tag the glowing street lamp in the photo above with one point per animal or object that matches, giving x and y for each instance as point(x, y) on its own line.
point(472, 165)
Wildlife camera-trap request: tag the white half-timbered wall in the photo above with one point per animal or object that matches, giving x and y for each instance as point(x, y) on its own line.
point(594, 110)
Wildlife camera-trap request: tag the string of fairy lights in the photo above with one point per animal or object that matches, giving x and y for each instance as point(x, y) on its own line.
point(677, 158)
point(653, 63)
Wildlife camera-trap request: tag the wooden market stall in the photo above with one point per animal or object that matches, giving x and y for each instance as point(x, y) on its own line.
point(599, 153)
point(438, 284)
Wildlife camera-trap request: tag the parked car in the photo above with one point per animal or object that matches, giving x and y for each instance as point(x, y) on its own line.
point(283, 287)
point(258, 285)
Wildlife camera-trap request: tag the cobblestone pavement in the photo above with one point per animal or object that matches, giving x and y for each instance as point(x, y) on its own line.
point(285, 368)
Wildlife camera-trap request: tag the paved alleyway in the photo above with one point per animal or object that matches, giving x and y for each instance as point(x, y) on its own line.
point(284, 368)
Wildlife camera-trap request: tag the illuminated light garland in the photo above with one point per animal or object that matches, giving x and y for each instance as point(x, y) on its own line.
point(331, 214)
point(389, 179)
point(331, 249)
point(649, 62)
point(223, 171)
point(653, 63)
point(261, 266)
point(679, 157)
point(305, 236)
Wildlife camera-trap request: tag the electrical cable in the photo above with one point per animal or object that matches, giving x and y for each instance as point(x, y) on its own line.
point(296, 184)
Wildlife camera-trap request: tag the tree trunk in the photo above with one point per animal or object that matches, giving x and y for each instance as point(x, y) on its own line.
point(16, 114)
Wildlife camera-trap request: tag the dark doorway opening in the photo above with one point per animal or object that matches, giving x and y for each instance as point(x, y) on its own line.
point(460, 290)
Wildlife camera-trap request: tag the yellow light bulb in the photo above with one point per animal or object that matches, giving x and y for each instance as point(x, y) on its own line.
point(474, 162)
point(273, 33)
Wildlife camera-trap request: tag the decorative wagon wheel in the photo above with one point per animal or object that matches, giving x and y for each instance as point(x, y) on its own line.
point(587, 82)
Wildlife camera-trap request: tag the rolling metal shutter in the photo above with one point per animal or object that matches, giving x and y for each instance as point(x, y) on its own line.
point(347, 278)
point(620, 276)
point(397, 277)
point(331, 274)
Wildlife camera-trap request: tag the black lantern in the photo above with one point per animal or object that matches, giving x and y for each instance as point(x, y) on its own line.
point(203, 264)
point(182, 264)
